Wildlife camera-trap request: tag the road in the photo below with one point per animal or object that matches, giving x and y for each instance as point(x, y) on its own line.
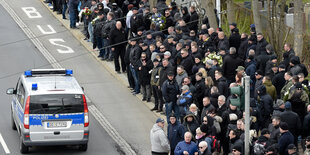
point(125, 112)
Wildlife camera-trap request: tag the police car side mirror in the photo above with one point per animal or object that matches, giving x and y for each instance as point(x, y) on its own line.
point(82, 88)
point(10, 91)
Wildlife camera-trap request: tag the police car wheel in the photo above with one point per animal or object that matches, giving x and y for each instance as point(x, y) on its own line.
point(22, 147)
point(12, 122)
point(83, 147)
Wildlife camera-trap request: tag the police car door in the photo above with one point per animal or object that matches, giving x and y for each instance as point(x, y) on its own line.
point(18, 104)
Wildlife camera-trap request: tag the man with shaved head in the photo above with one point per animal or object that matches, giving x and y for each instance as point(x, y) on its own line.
point(118, 44)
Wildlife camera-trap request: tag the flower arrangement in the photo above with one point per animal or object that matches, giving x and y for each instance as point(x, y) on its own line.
point(159, 20)
point(94, 20)
point(213, 56)
point(86, 11)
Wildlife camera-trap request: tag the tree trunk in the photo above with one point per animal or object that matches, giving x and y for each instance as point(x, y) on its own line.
point(152, 3)
point(298, 28)
point(210, 14)
point(256, 17)
point(230, 12)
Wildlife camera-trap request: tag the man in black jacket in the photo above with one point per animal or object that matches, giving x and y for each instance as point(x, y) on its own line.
point(221, 83)
point(278, 80)
point(134, 56)
point(230, 64)
point(170, 90)
point(118, 42)
point(187, 61)
point(98, 33)
point(261, 44)
point(265, 104)
point(234, 38)
point(194, 19)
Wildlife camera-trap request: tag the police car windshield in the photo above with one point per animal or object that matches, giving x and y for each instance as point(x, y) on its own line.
point(56, 103)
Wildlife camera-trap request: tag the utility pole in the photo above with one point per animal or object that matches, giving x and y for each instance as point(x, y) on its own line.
point(247, 115)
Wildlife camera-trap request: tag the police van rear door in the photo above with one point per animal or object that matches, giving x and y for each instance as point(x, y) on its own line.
point(56, 117)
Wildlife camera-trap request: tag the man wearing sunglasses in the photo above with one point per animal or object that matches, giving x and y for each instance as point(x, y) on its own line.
point(203, 148)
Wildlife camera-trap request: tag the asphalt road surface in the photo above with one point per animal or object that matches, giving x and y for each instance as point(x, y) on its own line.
point(131, 119)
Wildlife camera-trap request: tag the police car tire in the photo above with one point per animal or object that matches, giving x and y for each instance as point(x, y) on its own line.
point(83, 147)
point(13, 123)
point(22, 147)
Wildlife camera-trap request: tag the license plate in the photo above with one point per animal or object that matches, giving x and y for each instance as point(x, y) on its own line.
point(56, 124)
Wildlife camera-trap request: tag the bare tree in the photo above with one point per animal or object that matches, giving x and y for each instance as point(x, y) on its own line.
point(152, 3)
point(298, 27)
point(257, 17)
point(230, 11)
point(211, 14)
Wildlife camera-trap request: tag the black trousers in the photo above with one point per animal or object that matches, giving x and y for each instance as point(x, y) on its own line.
point(119, 53)
point(130, 78)
point(159, 102)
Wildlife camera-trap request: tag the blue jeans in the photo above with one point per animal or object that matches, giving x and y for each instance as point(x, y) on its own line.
point(90, 32)
point(172, 106)
point(135, 78)
point(100, 45)
point(72, 15)
point(64, 9)
point(108, 53)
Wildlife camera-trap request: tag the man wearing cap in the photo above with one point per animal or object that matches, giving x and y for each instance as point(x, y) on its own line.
point(136, 21)
point(264, 140)
point(237, 150)
point(186, 147)
point(286, 138)
point(134, 56)
point(117, 11)
point(234, 38)
point(291, 149)
point(259, 81)
point(170, 90)
point(184, 100)
point(175, 132)
point(278, 80)
point(159, 141)
point(292, 119)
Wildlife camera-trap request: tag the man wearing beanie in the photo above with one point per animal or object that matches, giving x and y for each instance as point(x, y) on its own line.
point(293, 121)
point(175, 132)
point(286, 138)
point(159, 141)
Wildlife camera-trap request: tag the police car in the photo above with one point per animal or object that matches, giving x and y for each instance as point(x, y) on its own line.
point(49, 108)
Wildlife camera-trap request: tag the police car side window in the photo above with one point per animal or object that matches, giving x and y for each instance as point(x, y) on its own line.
point(21, 94)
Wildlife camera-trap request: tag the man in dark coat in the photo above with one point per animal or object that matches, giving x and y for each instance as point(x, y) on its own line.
point(265, 103)
point(261, 44)
point(118, 41)
point(242, 51)
point(134, 56)
point(223, 43)
point(99, 24)
point(136, 21)
point(293, 121)
point(286, 138)
point(194, 19)
point(170, 90)
point(169, 21)
point(306, 124)
point(259, 81)
point(230, 64)
point(234, 38)
point(143, 66)
point(278, 80)
point(288, 54)
point(73, 10)
point(175, 132)
point(187, 61)
point(221, 83)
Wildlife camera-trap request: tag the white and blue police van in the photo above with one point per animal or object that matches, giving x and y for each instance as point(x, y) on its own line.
point(49, 108)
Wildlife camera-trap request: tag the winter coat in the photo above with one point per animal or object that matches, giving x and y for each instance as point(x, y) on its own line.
point(134, 55)
point(223, 44)
point(136, 21)
point(230, 64)
point(144, 73)
point(193, 21)
point(175, 134)
point(306, 125)
point(265, 103)
point(118, 38)
point(190, 126)
point(274, 133)
point(292, 120)
point(184, 101)
point(170, 90)
point(242, 51)
point(206, 109)
point(180, 77)
point(159, 141)
point(261, 61)
point(163, 74)
point(236, 142)
point(222, 86)
point(286, 139)
point(299, 101)
point(188, 64)
point(107, 28)
point(287, 57)
point(98, 26)
point(258, 83)
point(235, 38)
point(271, 89)
point(169, 22)
point(186, 17)
point(155, 78)
point(278, 81)
point(261, 47)
point(73, 4)
point(286, 88)
point(250, 69)
point(199, 94)
point(183, 146)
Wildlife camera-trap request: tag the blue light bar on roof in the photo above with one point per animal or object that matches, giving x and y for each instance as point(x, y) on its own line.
point(69, 72)
point(28, 73)
point(34, 86)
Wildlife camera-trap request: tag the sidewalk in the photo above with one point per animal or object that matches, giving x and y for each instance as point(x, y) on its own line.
point(109, 66)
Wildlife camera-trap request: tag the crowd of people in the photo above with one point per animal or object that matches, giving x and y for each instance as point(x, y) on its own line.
point(189, 69)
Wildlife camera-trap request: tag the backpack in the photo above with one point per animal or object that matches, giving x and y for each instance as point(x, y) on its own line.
point(259, 148)
point(215, 145)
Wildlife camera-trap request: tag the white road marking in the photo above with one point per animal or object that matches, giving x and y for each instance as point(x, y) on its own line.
point(51, 31)
point(53, 42)
point(31, 12)
point(5, 147)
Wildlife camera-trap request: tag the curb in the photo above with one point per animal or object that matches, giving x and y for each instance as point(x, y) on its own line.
point(109, 66)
